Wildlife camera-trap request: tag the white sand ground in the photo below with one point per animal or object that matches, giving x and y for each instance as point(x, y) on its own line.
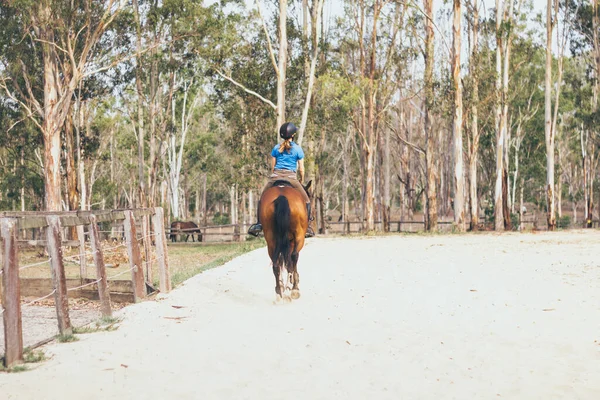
point(40, 323)
point(403, 317)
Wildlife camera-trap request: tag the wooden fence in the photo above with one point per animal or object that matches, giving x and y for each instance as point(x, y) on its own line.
point(11, 222)
point(237, 232)
point(215, 233)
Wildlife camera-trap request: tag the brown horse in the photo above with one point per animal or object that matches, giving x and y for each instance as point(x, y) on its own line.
point(284, 220)
point(185, 228)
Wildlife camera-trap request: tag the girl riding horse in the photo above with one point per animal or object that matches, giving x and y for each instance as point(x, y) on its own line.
point(286, 158)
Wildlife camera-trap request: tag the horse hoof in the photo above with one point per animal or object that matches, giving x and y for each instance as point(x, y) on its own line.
point(278, 300)
point(287, 299)
point(295, 294)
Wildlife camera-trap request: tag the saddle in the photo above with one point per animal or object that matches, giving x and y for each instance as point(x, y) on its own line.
point(282, 183)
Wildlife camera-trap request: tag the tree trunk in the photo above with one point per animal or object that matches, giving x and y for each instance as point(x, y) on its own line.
point(516, 173)
point(410, 181)
point(233, 210)
point(559, 196)
point(474, 68)
point(244, 219)
point(283, 51)
point(321, 204)
point(584, 139)
point(51, 125)
point(521, 205)
point(80, 161)
point(251, 207)
point(305, 38)
point(345, 218)
point(386, 183)
point(370, 145)
point(505, 209)
point(459, 176)
point(430, 156)
point(140, 105)
point(505, 165)
point(316, 14)
point(551, 216)
point(204, 205)
point(112, 167)
point(591, 176)
point(72, 195)
point(197, 205)
point(498, 210)
point(153, 110)
point(596, 92)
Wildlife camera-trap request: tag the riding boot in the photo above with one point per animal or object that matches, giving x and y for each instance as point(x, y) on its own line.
point(256, 228)
point(309, 230)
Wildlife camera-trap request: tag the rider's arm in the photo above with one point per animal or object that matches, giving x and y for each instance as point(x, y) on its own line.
point(301, 170)
point(273, 161)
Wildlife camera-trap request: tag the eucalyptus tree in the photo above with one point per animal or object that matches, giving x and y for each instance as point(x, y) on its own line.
point(367, 51)
point(585, 46)
point(550, 135)
point(459, 178)
point(48, 48)
point(473, 138)
point(431, 215)
point(316, 10)
point(21, 166)
point(279, 62)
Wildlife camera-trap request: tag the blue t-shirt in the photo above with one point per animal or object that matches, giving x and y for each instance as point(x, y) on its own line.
point(285, 160)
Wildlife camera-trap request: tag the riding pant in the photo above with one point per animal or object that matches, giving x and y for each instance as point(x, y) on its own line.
point(288, 176)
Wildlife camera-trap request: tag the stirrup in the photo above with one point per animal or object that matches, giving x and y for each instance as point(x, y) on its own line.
point(309, 232)
point(255, 229)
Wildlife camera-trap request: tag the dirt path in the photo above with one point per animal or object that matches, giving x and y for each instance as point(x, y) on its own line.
point(414, 317)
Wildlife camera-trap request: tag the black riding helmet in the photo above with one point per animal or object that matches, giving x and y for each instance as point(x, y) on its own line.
point(287, 130)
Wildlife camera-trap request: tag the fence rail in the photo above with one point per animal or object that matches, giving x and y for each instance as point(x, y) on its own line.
point(237, 232)
point(38, 219)
point(11, 222)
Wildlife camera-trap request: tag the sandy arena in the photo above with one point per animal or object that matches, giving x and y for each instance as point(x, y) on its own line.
point(486, 316)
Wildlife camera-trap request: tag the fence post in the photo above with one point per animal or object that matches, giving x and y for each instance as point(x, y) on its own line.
point(147, 246)
point(82, 258)
point(103, 293)
point(135, 258)
point(236, 232)
point(162, 255)
point(11, 295)
point(61, 301)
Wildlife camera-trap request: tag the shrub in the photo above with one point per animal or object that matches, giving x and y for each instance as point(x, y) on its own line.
point(564, 222)
point(221, 219)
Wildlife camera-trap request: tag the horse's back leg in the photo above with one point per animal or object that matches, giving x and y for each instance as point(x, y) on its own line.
point(275, 265)
point(277, 286)
point(285, 278)
point(295, 276)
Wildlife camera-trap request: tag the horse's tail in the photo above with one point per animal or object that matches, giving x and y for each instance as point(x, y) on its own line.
point(281, 229)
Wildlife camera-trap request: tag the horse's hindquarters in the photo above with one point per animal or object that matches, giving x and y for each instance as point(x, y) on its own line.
point(283, 217)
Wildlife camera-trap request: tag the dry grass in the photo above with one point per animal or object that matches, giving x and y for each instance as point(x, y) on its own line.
point(185, 260)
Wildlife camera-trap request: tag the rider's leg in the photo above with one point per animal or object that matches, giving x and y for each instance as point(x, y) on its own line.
point(309, 230)
point(256, 228)
point(300, 188)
